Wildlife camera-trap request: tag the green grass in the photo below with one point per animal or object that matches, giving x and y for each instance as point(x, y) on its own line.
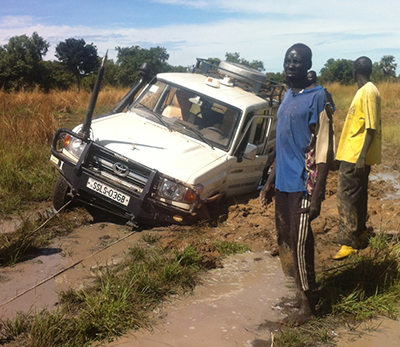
point(26, 176)
point(229, 248)
point(366, 286)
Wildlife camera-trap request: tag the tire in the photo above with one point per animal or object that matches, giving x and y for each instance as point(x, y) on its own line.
point(61, 193)
point(241, 72)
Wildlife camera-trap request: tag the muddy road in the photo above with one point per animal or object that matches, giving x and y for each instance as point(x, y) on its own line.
point(233, 303)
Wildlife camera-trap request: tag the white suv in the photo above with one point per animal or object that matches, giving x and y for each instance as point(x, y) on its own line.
point(185, 141)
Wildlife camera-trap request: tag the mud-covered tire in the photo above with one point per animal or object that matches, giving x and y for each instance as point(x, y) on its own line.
point(61, 193)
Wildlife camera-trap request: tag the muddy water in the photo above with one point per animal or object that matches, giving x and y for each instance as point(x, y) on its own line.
point(390, 177)
point(230, 308)
point(386, 333)
point(72, 262)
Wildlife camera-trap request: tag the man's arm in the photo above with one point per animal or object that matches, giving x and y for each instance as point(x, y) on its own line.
point(319, 190)
point(360, 164)
point(268, 190)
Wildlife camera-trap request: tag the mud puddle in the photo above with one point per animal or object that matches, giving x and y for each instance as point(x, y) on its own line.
point(70, 262)
point(231, 307)
point(391, 178)
point(377, 333)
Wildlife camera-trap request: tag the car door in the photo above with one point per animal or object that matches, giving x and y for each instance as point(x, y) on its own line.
point(254, 152)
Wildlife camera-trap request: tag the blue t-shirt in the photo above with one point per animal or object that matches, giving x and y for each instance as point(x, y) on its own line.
point(296, 114)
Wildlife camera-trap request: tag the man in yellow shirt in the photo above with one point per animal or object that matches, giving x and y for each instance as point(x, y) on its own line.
point(359, 148)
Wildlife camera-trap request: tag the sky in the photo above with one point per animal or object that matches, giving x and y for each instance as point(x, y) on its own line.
point(189, 29)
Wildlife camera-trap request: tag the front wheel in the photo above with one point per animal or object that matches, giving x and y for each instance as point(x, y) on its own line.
point(61, 193)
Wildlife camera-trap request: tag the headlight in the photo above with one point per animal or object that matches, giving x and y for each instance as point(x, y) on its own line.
point(174, 191)
point(74, 145)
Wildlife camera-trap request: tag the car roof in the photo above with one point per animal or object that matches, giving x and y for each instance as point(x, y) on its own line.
point(234, 96)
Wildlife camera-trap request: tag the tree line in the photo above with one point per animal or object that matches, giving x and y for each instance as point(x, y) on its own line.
point(22, 66)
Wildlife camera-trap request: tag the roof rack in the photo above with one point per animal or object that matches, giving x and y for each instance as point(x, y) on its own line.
point(248, 79)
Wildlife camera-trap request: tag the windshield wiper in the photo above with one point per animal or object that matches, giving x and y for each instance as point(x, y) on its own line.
point(159, 117)
point(196, 132)
point(133, 144)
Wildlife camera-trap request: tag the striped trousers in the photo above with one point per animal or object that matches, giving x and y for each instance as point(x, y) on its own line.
point(295, 237)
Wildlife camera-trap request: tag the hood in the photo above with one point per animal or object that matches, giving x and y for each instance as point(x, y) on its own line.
point(153, 145)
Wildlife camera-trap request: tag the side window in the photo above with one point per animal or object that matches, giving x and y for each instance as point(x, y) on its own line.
point(260, 129)
point(150, 98)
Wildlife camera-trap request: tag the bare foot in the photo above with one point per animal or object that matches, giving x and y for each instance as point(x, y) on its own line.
point(288, 303)
point(297, 318)
point(306, 311)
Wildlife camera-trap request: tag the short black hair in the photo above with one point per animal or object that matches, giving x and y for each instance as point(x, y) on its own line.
point(304, 50)
point(312, 76)
point(363, 65)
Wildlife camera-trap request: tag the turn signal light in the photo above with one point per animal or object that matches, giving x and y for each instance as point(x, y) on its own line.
point(190, 196)
point(177, 218)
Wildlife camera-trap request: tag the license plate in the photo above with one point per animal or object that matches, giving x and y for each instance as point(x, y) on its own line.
point(108, 191)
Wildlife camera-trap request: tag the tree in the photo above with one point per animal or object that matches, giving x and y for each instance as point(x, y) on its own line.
point(276, 76)
point(235, 58)
point(340, 70)
point(55, 75)
point(180, 68)
point(20, 61)
point(79, 58)
point(111, 72)
point(129, 59)
point(377, 73)
point(388, 67)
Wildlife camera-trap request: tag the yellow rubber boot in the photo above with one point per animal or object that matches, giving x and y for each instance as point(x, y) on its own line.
point(344, 252)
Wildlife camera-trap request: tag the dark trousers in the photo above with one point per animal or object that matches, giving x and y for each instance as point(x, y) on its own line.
point(295, 237)
point(352, 200)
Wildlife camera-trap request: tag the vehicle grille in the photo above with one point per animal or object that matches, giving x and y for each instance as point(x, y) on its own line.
point(101, 161)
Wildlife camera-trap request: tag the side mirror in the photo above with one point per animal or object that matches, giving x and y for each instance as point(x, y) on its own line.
point(251, 151)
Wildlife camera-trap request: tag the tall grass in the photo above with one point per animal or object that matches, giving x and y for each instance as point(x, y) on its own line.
point(28, 121)
point(343, 95)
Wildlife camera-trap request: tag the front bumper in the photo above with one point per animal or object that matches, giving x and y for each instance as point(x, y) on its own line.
point(132, 197)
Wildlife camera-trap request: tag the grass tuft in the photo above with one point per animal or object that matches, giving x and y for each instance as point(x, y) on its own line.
point(365, 287)
point(230, 248)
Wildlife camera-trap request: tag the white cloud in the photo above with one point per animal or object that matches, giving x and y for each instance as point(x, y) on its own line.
point(345, 30)
point(312, 8)
point(16, 22)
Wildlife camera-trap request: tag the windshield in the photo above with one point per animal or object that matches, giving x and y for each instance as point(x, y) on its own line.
point(183, 110)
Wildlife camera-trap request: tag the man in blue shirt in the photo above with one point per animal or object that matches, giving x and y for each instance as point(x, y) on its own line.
point(304, 147)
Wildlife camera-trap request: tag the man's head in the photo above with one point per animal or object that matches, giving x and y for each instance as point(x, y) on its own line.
point(363, 66)
point(296, 64)
point(362, 70)
point(312, 76)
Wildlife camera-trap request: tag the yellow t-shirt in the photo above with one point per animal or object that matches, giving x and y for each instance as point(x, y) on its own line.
point(364, 113)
